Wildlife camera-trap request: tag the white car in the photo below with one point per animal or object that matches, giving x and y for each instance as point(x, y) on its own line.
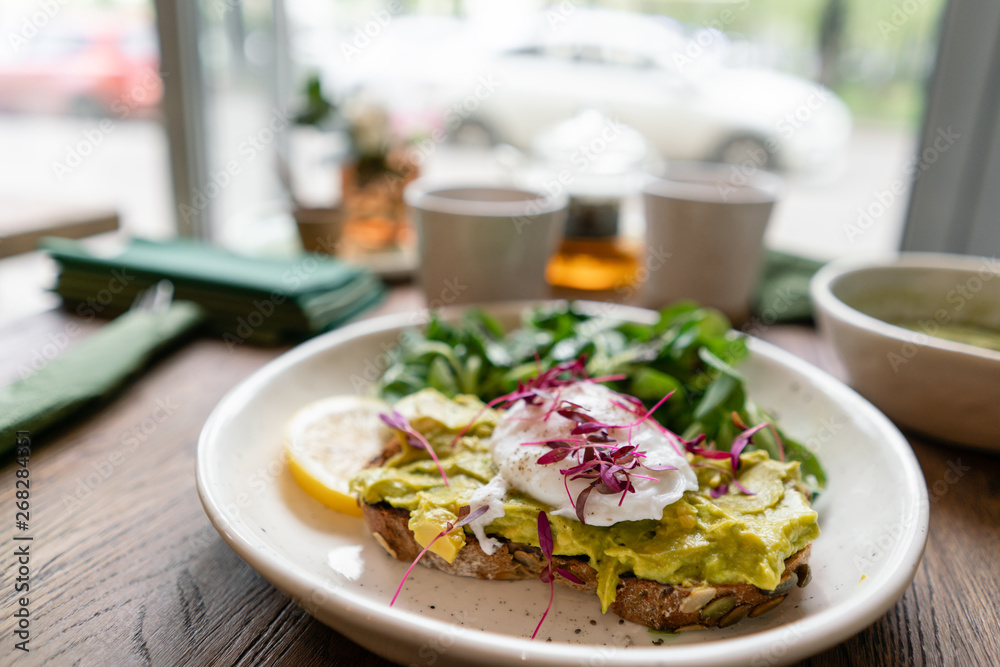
point(671, 84)
point(677, 92)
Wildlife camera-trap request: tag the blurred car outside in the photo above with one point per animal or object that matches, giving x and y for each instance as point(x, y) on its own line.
point(94, 65)
point(671, 82)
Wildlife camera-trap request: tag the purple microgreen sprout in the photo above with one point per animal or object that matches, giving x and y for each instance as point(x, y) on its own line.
point(413, 437)
point(777, 439)
point(607, 464)
point(548, 575)
point(464, 517)
point(533, 390)
point(739, 444)
point(674, 439)
point(652, 410)
point(635, 405)
point(555, 402)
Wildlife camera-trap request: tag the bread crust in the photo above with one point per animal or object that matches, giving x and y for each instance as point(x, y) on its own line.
point(659, 606)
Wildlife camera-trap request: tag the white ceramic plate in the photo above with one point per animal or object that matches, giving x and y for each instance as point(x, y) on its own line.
point(873, 517)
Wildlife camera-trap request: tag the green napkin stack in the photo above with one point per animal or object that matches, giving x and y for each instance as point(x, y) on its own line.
point(262, 300)
point(783, 291)
point(91, 371)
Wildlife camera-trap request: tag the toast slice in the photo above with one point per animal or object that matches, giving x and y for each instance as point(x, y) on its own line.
point(659, 606)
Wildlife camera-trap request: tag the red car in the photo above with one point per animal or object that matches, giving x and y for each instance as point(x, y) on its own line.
point(107, 66)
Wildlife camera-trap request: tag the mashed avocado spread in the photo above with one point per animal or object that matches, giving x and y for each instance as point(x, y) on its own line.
point(736, 538)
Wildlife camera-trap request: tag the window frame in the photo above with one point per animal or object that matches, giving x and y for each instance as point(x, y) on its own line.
point(955, 202)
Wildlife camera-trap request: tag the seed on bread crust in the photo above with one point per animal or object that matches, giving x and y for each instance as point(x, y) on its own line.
point(762, 609)
point(804, 573)
point(788, 581)
point(693, 626)
point(718, 608)
point(736, 615)
point(698, 598)
point(528, 559)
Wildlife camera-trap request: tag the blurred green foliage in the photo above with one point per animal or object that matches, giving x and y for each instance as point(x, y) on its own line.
point(878, 65)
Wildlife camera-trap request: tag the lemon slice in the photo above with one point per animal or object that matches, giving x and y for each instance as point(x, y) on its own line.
point(330, 441)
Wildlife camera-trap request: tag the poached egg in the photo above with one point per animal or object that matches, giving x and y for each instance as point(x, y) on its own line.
point(519, 469)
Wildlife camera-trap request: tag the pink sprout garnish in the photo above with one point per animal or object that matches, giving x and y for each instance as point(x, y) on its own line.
point(413, 437)
point(541, 387)
point(739, 444)
point(464, 517)
point(719, 491)
point(777, 439)
point(548, 575)
point(608, 464)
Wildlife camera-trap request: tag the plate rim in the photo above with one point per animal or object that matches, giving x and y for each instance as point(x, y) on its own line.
point(813, 633)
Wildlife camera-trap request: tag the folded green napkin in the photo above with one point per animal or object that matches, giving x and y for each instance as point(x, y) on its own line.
point(263, 300)
point(92, 370)
point(783, 291)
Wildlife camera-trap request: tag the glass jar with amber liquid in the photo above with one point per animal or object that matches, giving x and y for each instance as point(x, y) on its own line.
point(592, 256)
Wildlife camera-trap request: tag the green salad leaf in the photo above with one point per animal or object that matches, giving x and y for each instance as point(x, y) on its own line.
point(690, 350)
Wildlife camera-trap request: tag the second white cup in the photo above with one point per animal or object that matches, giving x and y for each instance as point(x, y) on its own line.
point(482, 243)
point(704, 233)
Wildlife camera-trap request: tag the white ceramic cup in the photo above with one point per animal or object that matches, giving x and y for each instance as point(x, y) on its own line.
point(705, 228)
point(482, 243)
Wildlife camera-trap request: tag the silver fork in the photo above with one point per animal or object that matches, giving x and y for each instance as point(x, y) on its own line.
point(154, 299)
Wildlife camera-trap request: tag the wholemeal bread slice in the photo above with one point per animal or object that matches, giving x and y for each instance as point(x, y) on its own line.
point(659, 606)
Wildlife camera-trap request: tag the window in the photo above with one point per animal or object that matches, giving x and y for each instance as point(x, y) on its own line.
point(831, 90)
point(79, 125)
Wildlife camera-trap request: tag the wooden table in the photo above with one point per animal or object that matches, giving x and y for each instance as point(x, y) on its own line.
point(23, 223)
point(125, 568)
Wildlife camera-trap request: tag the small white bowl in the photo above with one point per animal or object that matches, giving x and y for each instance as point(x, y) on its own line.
point(944, 389)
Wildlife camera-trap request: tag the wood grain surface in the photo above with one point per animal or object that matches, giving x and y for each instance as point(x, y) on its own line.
point(127, 570)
